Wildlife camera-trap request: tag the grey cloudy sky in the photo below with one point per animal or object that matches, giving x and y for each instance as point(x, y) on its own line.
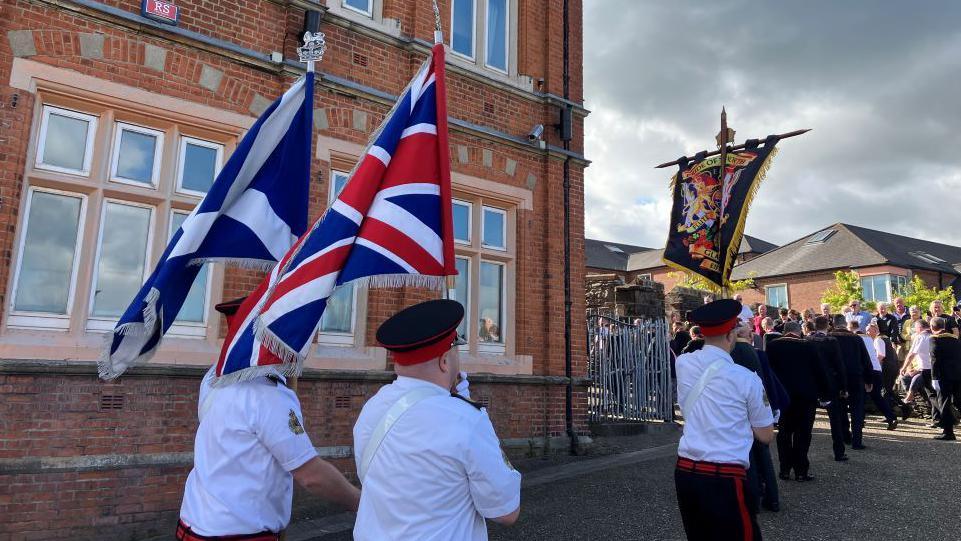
point(878, 81)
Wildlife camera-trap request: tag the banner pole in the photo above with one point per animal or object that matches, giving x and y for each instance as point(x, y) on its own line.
point(722, 140)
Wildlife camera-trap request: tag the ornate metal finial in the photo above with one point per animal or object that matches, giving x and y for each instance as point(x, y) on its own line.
point(313, 49)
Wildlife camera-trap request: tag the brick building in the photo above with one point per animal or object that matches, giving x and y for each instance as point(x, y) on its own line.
point(798, 273)
point(113, 126)
point(630, 262)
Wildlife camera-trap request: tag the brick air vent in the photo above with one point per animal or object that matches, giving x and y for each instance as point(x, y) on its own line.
point(360, 59)
point(110, 402)
point(488, 108)
point(484, 401)
point(342, 402)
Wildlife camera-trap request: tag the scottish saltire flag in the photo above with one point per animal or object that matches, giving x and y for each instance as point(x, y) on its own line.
point(255, 210)
point(390, 226)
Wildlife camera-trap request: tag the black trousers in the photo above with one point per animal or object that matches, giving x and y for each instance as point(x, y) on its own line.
point(761, 474)
point(889, 378)
point(931, 395)
point(837, 418)
point(879, 402)
point(854, 406)
point(794, 436)
point(716, 506)
point(948, 399)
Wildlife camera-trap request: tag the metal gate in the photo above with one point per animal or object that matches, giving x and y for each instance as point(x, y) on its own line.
point(629, 367)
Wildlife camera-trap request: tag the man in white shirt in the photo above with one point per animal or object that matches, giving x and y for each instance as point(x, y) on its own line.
point(725, 409)
point(250, 448)
point(428, 459)
point(921, 352)
point(747, 315)
point(876, 351)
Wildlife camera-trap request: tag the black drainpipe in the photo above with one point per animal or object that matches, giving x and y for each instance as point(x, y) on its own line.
point(566, 136)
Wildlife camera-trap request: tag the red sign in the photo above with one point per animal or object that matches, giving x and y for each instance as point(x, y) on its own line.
point(164, 12)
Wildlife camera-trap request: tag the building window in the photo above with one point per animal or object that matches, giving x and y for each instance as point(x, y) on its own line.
point(66, 141)
point(194, 310)
point(645, 276)
point(62, 283)
point(136, 155)
point(337, 323)
point(482, 25)
point(47, 268)
point(497, 34)
point(360, 6)
point(198, 165)
point(462, 225)
point(463, 22)
point(485, 259)
point(777, 295)
point(120, 265)
point(881, 287)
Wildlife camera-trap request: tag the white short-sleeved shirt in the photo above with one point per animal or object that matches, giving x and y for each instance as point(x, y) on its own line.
point(746, 313)
point(718, 427)
point(871, 345)
point(921, 346)
point(437, 474)
point(251, 436)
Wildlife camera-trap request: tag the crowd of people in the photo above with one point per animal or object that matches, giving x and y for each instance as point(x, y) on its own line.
point(904, 360)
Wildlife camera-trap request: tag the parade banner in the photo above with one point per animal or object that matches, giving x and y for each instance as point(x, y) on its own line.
point(710, 209)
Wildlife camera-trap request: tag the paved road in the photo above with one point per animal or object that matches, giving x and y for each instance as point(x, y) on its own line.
point(889, 491)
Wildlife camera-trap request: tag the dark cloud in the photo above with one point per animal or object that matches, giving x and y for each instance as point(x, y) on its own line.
point(879, 82)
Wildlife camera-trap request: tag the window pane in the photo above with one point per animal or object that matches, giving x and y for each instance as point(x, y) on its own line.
point(360, 5)
point(195, 305)
point(493, 228)
point(490, 309)
point(462, 39)
point(497, 34)
point(339, 179)
point(66, 141)
point(461, 290)
point(461, 222)
point(200, 167)
point(340, 307)
point(48, 253)
point(777, 296)
point(135, 156)
point(123, 251)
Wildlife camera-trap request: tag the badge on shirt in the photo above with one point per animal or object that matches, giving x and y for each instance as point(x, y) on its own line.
point(294, 424)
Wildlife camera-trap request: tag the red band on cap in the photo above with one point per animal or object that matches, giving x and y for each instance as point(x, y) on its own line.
point(426, 353)
point(718, 330)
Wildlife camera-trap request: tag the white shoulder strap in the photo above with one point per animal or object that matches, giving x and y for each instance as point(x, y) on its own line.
point(700, 385)
point(396, 411)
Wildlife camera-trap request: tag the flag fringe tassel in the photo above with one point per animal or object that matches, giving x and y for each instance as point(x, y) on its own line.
point(254, 372)
point(735, 245)
point(264, 265)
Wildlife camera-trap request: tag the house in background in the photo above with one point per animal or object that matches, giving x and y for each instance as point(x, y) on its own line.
point(798, 273)
point(630, 262)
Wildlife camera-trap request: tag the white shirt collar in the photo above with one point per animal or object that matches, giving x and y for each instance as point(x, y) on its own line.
point(717, 352)
point(408, 382)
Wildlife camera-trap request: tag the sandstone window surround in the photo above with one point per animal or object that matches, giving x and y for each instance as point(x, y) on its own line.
point(111, 174)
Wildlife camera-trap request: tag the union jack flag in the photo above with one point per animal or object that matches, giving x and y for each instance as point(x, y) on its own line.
point(390, 226)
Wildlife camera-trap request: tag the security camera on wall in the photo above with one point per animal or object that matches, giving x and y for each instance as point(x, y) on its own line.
point(535, 136)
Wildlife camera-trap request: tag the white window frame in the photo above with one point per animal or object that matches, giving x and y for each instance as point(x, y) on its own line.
point(495, 347)
point(87, 151)
point(465, 303)
point(645, 276)
point(787, 298)
point(470, 220)
point(507, 37)
point(334, 338)
point(119, 128)
point(191, 329)
point(182, 157)
point(101, 323)
point(483, 224)
point(368, 13)
point(46, 320)
point(473, 47)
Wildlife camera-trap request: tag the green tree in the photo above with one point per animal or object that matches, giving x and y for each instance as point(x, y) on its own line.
point(846, 288)
point(916, 293)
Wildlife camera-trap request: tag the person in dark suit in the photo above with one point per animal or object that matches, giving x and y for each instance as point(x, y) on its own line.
point(696, 342)
point(946, 375)
point(859, 377)
point(796, 363)
point(836, 377)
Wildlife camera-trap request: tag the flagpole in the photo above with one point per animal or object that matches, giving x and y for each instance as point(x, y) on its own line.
point(742, 146)
point(722, 140)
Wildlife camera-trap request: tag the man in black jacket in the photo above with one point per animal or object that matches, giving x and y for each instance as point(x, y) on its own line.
point(946, 374)
point(797, 364)
point(859, 376)
point(836, 376)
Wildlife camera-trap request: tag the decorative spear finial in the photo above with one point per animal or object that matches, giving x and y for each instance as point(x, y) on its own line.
point(438, 33)
point(313, 49)
point(726, 135)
